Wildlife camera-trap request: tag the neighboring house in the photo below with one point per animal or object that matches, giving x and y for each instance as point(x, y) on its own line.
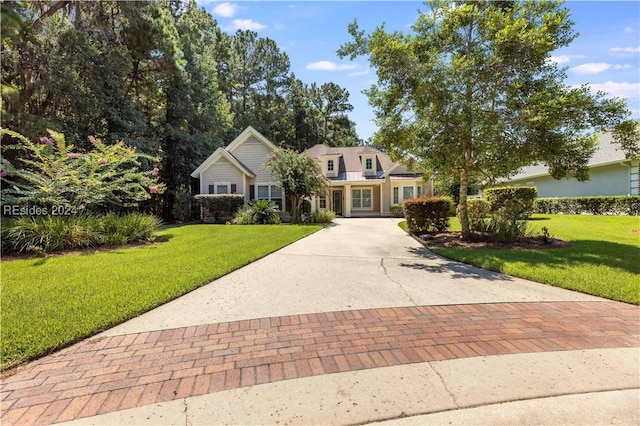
point(363, 181)
point(238, 169)
point(610, 173)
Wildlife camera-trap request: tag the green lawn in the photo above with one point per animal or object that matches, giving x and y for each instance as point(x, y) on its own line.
point(48, 303)
point(604, 257)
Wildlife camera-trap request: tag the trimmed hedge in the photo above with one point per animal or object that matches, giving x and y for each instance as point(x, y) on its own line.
point(427, 214)
point(396, 210)
point(217, 207)
point(604, 205)
point(514, 201)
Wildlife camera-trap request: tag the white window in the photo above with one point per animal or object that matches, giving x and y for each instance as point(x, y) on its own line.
point(222, 188)
point(368, 164)
point(322, 202)
point(407, 192)
point(396, 198)
point(330, 165)
point(418, 190)
point(361, 199)
point(269, 191)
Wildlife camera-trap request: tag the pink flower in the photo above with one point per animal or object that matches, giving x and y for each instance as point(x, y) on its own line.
point(155, 172)
point(46, 140)
point(119, 201)
point(3, 173)
point(5, 161)
point(73, 155)
point(91, 138)
point(273, 155)
point(153, 189)
point(103, 161)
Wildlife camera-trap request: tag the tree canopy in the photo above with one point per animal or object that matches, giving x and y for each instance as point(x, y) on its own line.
point(472, 93)
point(160, 76)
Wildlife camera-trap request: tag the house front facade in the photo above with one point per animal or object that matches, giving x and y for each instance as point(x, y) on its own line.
point(610, 173)
point(363, 181)
point(238, 169)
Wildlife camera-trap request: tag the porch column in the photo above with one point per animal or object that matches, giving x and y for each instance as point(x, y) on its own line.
point(347, 201)
point(381, 200)
point(245, 192)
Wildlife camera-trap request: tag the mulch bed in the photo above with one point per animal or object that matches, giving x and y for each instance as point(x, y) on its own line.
point(453, 239)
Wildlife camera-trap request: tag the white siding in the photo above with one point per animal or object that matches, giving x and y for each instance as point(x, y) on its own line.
point(254, 154)
point(221, 171)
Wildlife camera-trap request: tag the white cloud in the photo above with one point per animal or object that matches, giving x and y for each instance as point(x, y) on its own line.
point(246, 24)
point(226, 10)
point(624, 50)
point(591, 68)
point(359, 73)
point(598, 67)
point(563, 59)
point(622, 90)
point(628, 30)
point(328, 66)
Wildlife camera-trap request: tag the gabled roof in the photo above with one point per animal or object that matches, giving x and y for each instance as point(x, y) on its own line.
point(219, 153)
point(248, 132)
point(350, 168)
point(226, 152)
point(607, 153)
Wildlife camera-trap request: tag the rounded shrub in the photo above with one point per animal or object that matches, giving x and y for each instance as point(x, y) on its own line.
point(427, 214)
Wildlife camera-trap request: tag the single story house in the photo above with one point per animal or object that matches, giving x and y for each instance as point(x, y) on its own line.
point(363, 181)
point(610, 173)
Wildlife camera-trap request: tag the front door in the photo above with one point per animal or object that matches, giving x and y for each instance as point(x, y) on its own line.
point(337, 202)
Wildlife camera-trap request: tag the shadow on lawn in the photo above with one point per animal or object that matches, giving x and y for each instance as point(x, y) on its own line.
point(597, 253)
point(457, 269)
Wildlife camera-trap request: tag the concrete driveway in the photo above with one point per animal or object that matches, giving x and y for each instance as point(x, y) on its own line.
point(354, 324)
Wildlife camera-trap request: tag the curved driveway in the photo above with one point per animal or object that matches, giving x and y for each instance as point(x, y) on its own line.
point(356, 323)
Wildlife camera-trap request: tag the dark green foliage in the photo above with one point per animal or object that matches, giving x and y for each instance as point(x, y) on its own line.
point(510, 207)
point(219, 206)
point(299, 177)
point(516, 202)
point(427, 214)
point(44, 234)
point(305, 209)
point(605, 205)
point(478, 210)
point(264, 212)
point(396, 210)
point(161, 77)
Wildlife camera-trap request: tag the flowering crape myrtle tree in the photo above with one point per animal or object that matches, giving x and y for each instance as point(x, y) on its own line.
point(472, 93)
point(54, 175)
point(299, 177)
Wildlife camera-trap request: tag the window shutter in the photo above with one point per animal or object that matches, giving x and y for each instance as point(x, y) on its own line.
point(234, 188)
point(212, 189)
point(252, 192)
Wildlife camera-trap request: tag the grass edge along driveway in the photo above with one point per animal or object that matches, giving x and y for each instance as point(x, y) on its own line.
point(603, 260)
point(49, 303)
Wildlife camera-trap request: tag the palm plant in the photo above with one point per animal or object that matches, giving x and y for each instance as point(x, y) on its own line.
point(264, 211)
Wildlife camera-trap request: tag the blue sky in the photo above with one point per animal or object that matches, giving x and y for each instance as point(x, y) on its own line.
point(606, 55)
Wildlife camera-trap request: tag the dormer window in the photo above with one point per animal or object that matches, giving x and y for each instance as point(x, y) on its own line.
point(330, 165)
point(368, 164)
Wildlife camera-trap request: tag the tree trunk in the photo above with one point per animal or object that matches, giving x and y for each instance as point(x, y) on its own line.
point(463, 214)
point(295, 209)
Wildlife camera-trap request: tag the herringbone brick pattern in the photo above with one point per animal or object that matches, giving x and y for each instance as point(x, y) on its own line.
point(114, 373)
